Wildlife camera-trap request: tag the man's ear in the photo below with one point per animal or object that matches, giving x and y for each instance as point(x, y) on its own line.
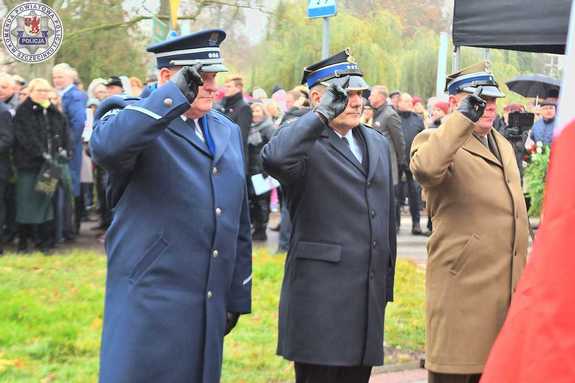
point(164, 76)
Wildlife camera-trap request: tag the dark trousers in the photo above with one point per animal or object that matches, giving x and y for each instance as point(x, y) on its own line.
point(412, 195)
point(9, 200)
point(104, 209)
point(259, 210)
point(314, 373)
point(435, 377)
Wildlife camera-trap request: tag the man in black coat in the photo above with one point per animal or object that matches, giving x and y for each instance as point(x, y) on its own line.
point(234, 106)
point(6, 142)
point(336, 175)
point(411, 125)
point(387, 122)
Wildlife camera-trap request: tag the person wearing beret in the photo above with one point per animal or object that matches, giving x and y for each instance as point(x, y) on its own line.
point(478, 248)
point(179, 246)
point(336, 176)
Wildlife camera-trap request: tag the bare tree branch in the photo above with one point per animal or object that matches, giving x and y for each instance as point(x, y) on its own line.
point(200, 7)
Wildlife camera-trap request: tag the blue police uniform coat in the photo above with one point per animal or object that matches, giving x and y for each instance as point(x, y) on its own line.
point(179, 247)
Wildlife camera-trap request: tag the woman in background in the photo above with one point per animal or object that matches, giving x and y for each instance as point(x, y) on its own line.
point(41, 138)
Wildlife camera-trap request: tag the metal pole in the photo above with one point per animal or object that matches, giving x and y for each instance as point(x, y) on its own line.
point(325, 44)
point(486, 54)
point(456, 59)
point(441, 63)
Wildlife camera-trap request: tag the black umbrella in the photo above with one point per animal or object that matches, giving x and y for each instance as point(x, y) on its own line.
point(535, 85)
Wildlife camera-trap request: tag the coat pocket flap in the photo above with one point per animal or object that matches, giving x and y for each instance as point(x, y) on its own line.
point(150, 256)
point(318, 251)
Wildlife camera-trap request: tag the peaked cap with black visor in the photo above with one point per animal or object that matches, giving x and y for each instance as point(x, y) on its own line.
point(475, 76)
point(340, 69)
point(196, 48)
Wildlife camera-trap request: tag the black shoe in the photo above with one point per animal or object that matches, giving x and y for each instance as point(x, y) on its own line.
point(416, 230)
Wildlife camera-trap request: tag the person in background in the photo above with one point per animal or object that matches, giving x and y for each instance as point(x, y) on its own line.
point(8, 94)
point(419, 107)
point(10, 99)
point(115, 86)
point(74, 106)
point(6, 143)
point(20, 83)
point(543, 128)
point(273, 111)
point(387, 122)
point(260, 133)
point(411, 125)
point(367, 114)
point(23, 95)
point(136, 86)
point(236, 108)
point(41, 137)
point(439, 110)
point(259, 94)
point(394, 98)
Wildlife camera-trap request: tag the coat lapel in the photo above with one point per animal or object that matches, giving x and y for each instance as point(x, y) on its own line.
point(220, 134)
point(372, 152)
point(184, 130)
point(342, 148)
point(473, 145)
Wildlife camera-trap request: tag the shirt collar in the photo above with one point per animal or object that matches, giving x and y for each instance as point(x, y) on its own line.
point(348, 135)
point(62, 92)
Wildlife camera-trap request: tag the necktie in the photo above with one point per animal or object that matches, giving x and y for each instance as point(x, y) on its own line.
point(207, 136)
point(346, 141)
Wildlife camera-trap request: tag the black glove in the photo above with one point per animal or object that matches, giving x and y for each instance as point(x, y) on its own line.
point(473, 106)
point(333, 102)
point(188, 80)
point(231, 321)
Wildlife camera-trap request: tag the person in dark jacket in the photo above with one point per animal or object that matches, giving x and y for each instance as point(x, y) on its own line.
point(234, 106)
point(259, 135)
point(6, 141)
point(339, 272)
point(387, 122)
point(41, 135)
point(411, 125)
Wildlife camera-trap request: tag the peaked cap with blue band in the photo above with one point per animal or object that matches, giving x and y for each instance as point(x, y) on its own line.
point(335, 69)
point(472, 77)
point(201, 47)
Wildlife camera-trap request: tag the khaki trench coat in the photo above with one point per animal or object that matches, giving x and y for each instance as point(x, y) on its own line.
point(478, 248)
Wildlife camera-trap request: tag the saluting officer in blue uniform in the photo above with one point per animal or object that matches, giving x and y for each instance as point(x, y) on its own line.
point(179, 247)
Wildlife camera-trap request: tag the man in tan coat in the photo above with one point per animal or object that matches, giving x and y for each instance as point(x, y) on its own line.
point(479, 244)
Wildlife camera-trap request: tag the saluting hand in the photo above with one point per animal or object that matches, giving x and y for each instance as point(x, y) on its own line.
point(188, 80)
point(333, 102)
point(473, 106)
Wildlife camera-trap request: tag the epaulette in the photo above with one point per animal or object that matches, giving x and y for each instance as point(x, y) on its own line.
point(113, 105)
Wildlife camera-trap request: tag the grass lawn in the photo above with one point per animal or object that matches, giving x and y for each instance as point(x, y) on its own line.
point(51, 320)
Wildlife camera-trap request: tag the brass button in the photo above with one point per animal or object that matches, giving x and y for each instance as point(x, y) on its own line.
point(218, 211)
point(215, 171)
point(210, 295)
point(373, 214)
point(215, 253)
point(374, 243)
point(168, 102)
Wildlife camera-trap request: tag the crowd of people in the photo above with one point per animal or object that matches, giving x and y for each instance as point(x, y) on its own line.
point(46, 127)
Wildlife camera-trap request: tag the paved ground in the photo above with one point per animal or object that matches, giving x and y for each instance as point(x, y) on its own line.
point(409, 376)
